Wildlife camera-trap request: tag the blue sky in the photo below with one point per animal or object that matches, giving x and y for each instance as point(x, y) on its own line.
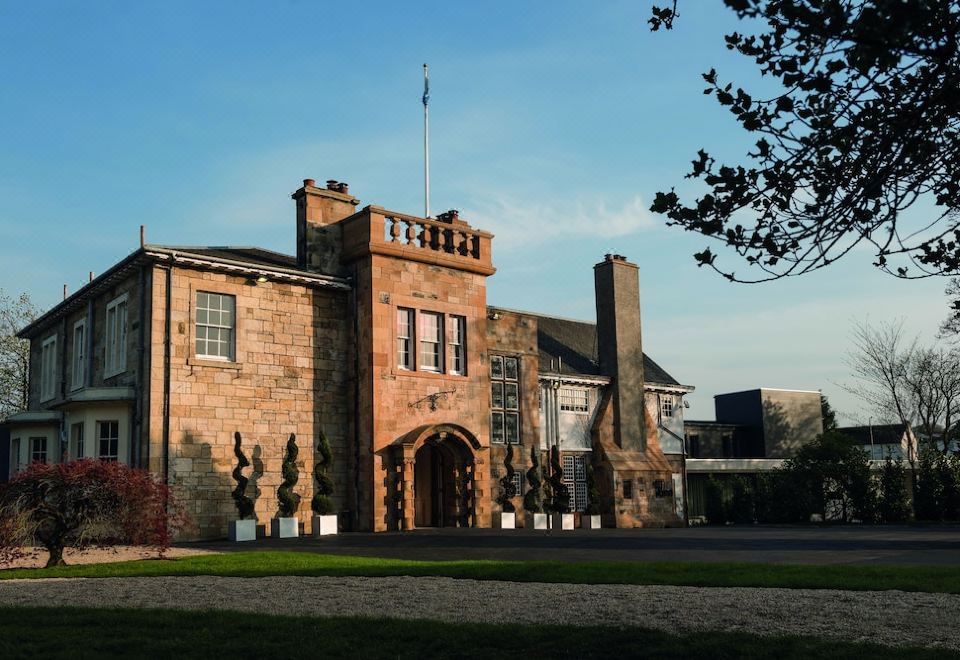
point(553, 124)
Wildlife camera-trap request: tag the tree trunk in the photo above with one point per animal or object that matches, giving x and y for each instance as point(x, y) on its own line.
point(56, 555)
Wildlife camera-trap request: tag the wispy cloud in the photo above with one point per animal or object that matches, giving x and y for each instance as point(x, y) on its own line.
point(518, 223)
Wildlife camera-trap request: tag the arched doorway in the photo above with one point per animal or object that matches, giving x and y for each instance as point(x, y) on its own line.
point(443, 482)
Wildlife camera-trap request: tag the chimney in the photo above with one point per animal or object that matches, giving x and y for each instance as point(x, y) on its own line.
point(617, 284)
point(318, 208)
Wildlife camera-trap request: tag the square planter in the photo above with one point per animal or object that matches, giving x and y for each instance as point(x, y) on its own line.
point(536, 521)
point(285, 528)
point(562, 521)
point(325, 525)
point(590, 522)
point(505, 520)
point(242, 530)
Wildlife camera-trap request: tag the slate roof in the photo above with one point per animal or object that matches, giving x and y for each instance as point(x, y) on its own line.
point(576, 343)
point(883, 434)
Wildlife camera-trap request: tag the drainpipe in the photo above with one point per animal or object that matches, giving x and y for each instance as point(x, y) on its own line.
point(166, 377)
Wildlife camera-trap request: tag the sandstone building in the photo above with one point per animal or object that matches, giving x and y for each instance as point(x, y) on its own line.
point(378, 334)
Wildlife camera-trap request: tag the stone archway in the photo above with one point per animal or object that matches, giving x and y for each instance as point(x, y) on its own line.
point(439, 477)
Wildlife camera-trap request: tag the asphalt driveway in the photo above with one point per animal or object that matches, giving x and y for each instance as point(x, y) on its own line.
point(931, 545)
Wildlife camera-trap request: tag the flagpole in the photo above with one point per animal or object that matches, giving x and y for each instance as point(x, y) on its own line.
point(426, 142)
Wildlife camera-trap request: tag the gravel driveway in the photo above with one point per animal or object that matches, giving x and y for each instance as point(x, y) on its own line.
point(887, 617)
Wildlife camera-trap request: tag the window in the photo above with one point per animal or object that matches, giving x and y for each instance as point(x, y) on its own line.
point(575, 479)
point(458, 336)
point(115, 343)
point(661, 489)
point(693, 445)
point(666, 405)
point(404, 338)
point(628, 489)
point(14, 456)
point(48, 368)
point(518, 482)
point(79, 363)
point(431, 334)
point(38, 450)
point(504, 400)
point(726, 441)
point(76, 441)
point(573, 399)
point(215, 325)
point(108, 434)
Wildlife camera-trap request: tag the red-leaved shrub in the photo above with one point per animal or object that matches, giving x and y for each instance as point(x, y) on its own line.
point(85, 503)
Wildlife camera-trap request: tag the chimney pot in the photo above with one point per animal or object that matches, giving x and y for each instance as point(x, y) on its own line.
point(343, 187)
point(311, 183)
point(331, 184)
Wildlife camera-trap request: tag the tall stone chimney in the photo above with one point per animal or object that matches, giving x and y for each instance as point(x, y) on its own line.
point(318, 211)
point(617, 284)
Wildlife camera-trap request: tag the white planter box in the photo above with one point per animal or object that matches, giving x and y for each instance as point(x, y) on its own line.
point(536, 521)
point(325, 525)
point(504, 520)
point(590, 522)
point(285, 528)
point(242, 530)
point(562, 520)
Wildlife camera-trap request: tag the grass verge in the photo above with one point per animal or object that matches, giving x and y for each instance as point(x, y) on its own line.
point(933, 579)
point(79, 633)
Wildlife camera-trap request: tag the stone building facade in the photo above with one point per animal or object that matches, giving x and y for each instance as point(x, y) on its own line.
point(377, 334)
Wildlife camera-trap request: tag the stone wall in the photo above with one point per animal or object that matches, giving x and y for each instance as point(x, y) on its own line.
point(289, 375)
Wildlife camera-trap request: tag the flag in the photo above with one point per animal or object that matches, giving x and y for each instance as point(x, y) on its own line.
point(426, 86)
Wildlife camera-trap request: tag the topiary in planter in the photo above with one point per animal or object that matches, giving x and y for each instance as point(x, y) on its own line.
point(288, 500)
point(559, 493)
point(321, 503)
point(507, 488)
point(533, 499)
point(593, 493)
point(244, 504)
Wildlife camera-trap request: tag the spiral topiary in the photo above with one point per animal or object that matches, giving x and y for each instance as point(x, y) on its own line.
point(321, 503)
point(533, 499)
point(593, 493)
point(507, 488)
point(244, 503)
point(560, 494)
point(289, 501)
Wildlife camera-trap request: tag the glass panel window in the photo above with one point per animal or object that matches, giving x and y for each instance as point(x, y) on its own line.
point(496, 427)
point(497, 395)
point(76, 441)
point(79, 363)
point(573, 399)
point(38, 450)
point(404, 338)
point(510, 368)
point(512, 428)
point(431, 331)
point(627, 489)
point(48, 368)
point(115, 341)
point(511, 399)
point(458, 338)
point(215, 325)
point(108, 434)
point(496, 367)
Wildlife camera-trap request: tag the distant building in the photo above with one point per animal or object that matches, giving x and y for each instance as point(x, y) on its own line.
point(754, 431)
point(884, 441)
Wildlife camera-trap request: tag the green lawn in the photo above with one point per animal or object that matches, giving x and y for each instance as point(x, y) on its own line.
point(937, 579)
point(86, 633)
